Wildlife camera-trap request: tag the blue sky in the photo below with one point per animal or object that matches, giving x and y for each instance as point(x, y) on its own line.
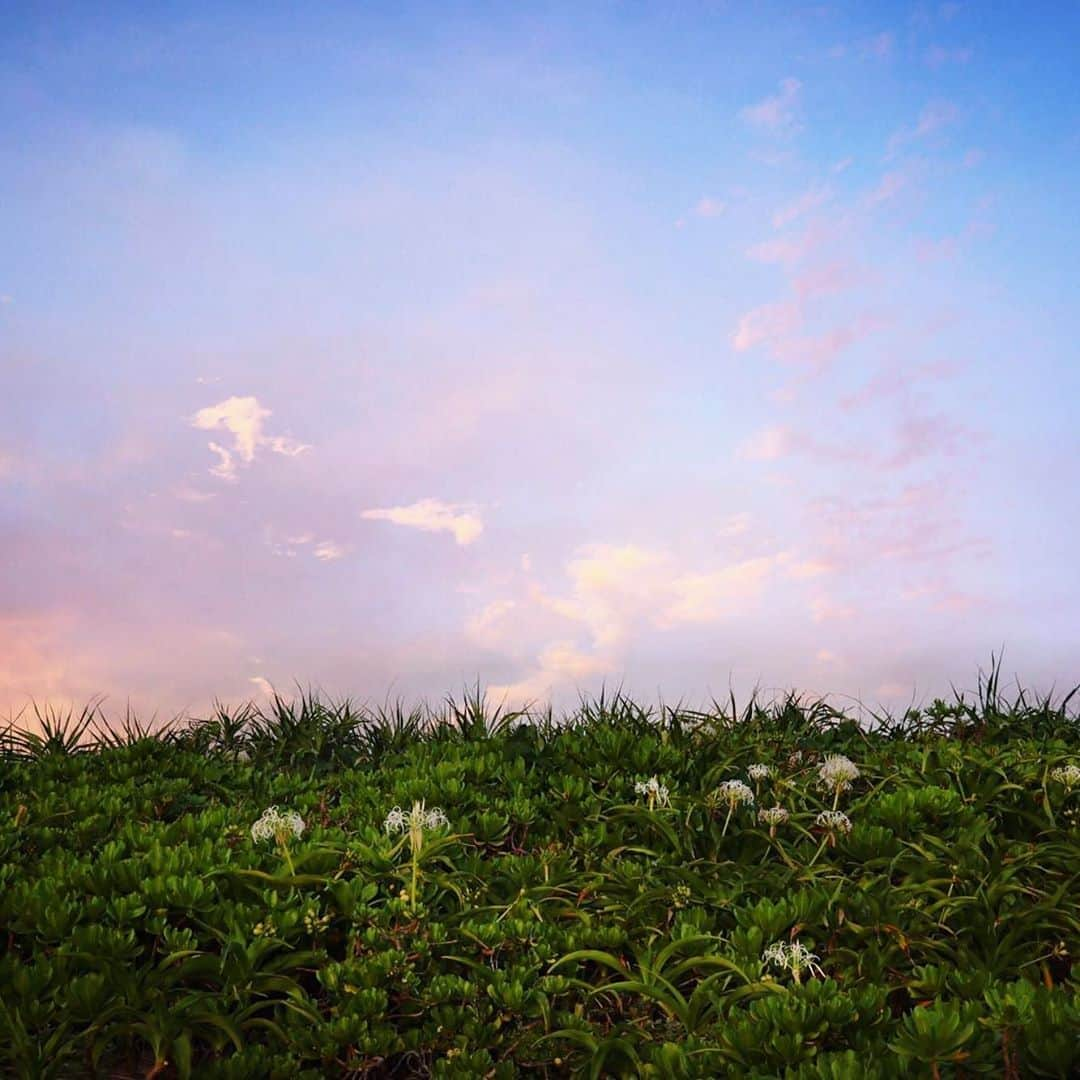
point(391, 349)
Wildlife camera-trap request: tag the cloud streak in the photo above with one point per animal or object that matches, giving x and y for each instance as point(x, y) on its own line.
point(432, 515)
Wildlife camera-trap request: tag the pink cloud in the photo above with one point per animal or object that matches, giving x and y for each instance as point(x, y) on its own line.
point(936, 56)
point(945, 249)
point(824, 608)
point(897, 381)
point(878, 46)
point(776, 115)
point(890, 185)
point(817, 353)
point(809, 200)
point(935, 117)
point(765, 323)
point(928, 436)
point(828, 279)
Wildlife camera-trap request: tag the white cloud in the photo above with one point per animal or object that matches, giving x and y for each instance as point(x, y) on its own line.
point(243, 418)
point(328, 551)
point(432, 515)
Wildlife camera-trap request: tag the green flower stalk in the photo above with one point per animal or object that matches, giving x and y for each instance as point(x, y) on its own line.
point(733, 792)
point(415, 822)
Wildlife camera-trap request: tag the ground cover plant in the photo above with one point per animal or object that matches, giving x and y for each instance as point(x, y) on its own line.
point(315, 890)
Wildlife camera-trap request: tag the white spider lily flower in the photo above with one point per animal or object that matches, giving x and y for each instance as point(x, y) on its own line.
point(656, 792)
point(419, 817)
point(795, 958)
point(734, 792)
point(773, 816)
point(759, 771)
point(837, 772)
point(277, 825)
point(1068, 775)
point(834, 821)
point(415, 822)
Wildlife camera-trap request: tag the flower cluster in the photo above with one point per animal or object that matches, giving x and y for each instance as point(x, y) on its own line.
point(417, 818)
point(1066, 774)
point(315, 923)
point(759, 772)
point(656, 792)
point(734, 792)
point(277, 825)
point(266, 928)
point(775, 815)
point(833, 820)
point(794, 958)
point(837, 772)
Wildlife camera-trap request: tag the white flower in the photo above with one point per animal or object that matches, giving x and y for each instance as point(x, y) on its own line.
point(417, 818)
point(653, 790)
point(837, 772)
point(759, 772)
point(1066, 774)
point(833, 819)
point(277, 825)
point(775, 815)
point(794, 958)
point(735, 791)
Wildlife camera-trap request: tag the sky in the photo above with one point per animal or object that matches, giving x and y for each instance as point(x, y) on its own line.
point(679, 348)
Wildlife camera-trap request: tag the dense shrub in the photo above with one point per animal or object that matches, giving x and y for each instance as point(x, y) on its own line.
point(600, 898)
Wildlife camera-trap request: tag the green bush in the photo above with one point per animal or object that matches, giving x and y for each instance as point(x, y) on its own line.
point(546, 911)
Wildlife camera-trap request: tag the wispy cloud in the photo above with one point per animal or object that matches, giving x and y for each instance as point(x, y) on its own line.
point(736, 524)
point(890, 185)
point(935, 117)
point(328, 551)
point(766, 323)
point(824, 608)
point(263, 685)
point(937, 56)
point(705, 207)
point(777, 114)
point(243, 418)
point(806, 202)
point(432, 515)
point(877, 47)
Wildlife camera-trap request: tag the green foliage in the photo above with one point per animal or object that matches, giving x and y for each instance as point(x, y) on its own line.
point(556, 924)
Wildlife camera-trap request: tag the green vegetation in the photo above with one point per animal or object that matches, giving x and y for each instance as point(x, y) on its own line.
point(477, 894)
